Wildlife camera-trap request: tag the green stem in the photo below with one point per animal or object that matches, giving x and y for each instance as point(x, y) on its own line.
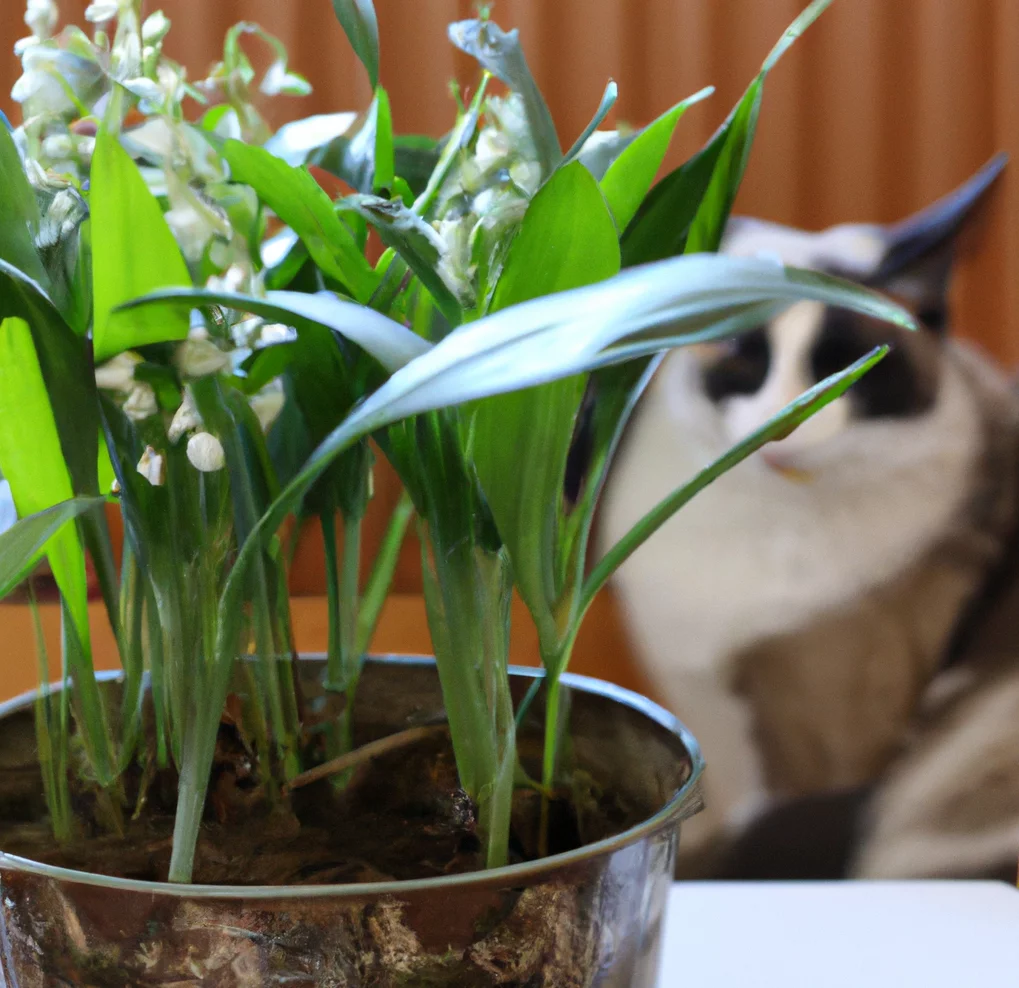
point(381, 579)
point(350, 659)
point(333, 655)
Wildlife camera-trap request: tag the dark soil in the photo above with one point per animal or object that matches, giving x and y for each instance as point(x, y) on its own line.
point(401, 815)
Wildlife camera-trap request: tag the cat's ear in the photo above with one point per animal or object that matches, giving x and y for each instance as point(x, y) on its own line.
point(917, 262)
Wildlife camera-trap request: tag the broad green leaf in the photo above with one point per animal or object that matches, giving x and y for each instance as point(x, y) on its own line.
point(416, 241)
point(687, 211)
point(567, 239)
point(684, 300)
point(608, 101)
point(135, 254)
point(632, 174)
point(23, 544)
point(776, 428)
point(500, 53)
point(296, 198)
point(362, 29)
point(32, 461)
point(66, 369)
point(19, 212)
point(391, 344)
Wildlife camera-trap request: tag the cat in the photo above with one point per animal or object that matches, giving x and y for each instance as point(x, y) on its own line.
point(818, 617)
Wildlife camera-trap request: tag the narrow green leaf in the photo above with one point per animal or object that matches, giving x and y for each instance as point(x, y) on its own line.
point(362, 29)
point(500, 53)
point(296, 198)
point(385, 163)
point(22, 545)
point(19, 212)
point(135, 254)
point(632, 174)
point(608, 101)
point(776, 428)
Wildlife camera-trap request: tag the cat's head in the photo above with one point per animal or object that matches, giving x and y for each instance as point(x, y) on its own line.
point(751, 378)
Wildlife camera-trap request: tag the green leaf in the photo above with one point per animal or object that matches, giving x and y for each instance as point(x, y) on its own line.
point(687, 211)
point(608, 101)
point(391, 344)
point(415, 241)
point(362, 29)
point(136, 253)
point(19, 212)
point(500, 53)
point(776, 428)
point(567, 239)
point(22, 545)
point(382, 180)
point(632, 174)
point(296, 198)
point(66, 370)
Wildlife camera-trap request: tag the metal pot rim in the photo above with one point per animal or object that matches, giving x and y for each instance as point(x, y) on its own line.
point(508, 875)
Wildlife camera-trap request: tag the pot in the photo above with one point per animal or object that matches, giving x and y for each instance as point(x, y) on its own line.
point(589, 917)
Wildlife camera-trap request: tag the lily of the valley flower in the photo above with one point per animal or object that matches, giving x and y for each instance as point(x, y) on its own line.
point(102, 11)
point(268, 403)
point(141, 402)
point(185, 419)
point(205, 452)
point(41, 16)
point(279, 81)
point(155, 28)
point(118, 374)
point(152, 466)
point(198, 357)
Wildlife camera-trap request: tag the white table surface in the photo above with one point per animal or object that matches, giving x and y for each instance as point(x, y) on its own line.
point(842, 935)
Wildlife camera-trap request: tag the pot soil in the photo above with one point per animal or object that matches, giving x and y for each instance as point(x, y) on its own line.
point(378, 881)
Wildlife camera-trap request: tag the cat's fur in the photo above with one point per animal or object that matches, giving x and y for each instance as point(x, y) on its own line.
point(801, 614)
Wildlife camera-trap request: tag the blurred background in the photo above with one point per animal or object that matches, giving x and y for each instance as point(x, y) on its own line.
point(882, 107)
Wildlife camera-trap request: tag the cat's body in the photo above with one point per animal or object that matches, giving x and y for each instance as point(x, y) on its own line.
point(799, 613)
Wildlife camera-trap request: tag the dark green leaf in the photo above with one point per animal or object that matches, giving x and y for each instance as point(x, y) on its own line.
point(416, 157)
point(19, 212)
point(362, 29)
point(135, 254)
point(296, 198)
point(22, 545)
point(500, 53)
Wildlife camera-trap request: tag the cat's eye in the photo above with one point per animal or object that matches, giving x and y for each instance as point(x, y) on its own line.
point(741, 369)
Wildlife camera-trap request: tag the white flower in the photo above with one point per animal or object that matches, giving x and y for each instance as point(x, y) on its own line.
point(234, 279)
point(141, 402)
point(192, 229)
point(273, 334)
point(152, 466)
point(268, 403)
point(492, 149)
point(155, 28)
point(66, 211)
point(41, 16)
point(205, 452)
point(118, 374)
point(145, 89)
point(57, 146)
point(185, 418)
point(199, 358)
point(102, 11)
point(278, 80)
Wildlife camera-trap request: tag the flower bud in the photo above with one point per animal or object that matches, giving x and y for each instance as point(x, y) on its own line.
point(205, 452)
point(141, 402)
point(185, 418)
point(118, 374)
point(200, 357)
point(152, 466)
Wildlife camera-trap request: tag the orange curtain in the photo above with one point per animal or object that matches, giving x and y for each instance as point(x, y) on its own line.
point(883, 106)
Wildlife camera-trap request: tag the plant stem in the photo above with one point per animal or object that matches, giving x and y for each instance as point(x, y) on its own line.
point(381, 579)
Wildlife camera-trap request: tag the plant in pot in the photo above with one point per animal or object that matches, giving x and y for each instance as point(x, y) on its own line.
point(192, 322)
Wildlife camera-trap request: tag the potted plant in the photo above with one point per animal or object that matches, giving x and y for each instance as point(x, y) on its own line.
point(194, 328)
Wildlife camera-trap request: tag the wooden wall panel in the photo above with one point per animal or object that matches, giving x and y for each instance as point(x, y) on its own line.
point(884, 105)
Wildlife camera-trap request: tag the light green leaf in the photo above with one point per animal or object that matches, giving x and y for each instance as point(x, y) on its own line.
point(296, 198)
point(135, 253)
point(608, 101)
point(632, 174)
point(362, 29)
point(22, 545)
point(391, 344)
point(500, 53)
point(382, 180)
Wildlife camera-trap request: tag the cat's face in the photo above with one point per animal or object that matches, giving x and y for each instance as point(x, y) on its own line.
point(749, 379)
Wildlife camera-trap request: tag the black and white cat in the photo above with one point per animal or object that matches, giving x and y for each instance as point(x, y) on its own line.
point(802, 613)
